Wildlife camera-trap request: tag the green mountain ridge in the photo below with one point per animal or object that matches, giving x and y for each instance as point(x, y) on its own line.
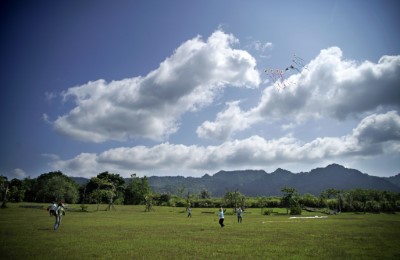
point(261, 183)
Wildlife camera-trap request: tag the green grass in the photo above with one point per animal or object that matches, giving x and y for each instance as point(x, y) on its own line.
point(166, 233)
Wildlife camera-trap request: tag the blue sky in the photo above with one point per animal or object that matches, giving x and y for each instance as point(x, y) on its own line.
point(179, 88)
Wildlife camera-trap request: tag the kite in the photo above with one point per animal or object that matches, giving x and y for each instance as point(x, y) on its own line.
point(278, 75)
point(291, 67)
point(299, 62)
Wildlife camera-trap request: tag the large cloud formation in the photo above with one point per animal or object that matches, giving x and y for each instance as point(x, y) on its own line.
point(375, 134)
point(329, 87)
point(151, 106)
point(191, 78)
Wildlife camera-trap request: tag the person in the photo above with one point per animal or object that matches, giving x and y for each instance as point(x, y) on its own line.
point(221, 217)
point(58, 213)
point(239, 213)
point(189, 212)
point(52, 208)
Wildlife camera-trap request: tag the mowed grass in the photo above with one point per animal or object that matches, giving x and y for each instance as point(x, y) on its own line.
point(166, 233)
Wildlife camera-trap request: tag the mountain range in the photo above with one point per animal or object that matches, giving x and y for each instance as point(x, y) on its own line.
point(261, 183)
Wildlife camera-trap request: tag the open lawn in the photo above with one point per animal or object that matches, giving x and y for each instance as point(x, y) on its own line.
point(26, 232)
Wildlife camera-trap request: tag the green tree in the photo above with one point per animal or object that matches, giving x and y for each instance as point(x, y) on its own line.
point(30, 189)
point(362, 196)
point(309, 200)
point(4, 189)
point(290, 201)
point(118, 183)
point(338, 195)
point(59, 188)
point(17, 190)
point(43, 191)
point(149, 202)
point(234, 199)
point(137, 190)
point(104, 191)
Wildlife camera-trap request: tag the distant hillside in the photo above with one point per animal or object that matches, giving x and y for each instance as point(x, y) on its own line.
point(395, 179)
point(80, 180)
point(261, 183)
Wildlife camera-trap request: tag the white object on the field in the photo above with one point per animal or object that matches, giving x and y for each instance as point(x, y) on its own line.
point(310, 217)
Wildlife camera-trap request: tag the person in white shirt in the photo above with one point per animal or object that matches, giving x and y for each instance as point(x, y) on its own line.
point(52, 208)
point(221, 217)
point(59, 212)
point(239, 213)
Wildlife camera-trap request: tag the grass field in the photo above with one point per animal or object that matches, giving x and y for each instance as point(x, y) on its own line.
point(130, 233)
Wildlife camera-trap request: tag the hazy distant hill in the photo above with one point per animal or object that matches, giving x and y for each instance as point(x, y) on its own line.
point(395, 179)
point(261, 183)
point(80, 180)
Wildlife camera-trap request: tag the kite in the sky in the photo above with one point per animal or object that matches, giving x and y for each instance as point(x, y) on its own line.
point(299, 62)
point(278, 75)
point(291, 67)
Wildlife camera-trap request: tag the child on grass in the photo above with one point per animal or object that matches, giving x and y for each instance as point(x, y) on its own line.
point(58, 213)
point(221, 217)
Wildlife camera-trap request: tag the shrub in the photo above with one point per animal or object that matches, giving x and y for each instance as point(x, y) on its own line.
point(295, 209)
point(373, 206)
point(267, 212)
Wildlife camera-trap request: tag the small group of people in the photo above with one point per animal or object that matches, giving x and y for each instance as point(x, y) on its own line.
point(221, 215)
point(57, 210)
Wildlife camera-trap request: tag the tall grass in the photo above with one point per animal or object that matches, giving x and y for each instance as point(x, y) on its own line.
point(166, 233)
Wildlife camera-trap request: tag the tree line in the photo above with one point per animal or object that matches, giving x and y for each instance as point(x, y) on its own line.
point(112, 189)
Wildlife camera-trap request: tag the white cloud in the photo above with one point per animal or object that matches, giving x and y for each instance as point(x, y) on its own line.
point(19, 174)
point(260, 47)
point(151, 106)
point(378, 129)
point(50, 95)
point(228, 122)
point(329, 87)
point(375, 135)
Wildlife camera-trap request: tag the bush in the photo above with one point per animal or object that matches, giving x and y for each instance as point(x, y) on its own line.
point(373, 206)
point(295, 209)
point(84, 207)
point(180, 203)
point(358, 206)
point(267, 212)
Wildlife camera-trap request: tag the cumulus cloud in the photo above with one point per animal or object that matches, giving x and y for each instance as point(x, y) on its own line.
point(227, 122)
point(151, 106)
point(375, 135)
point(330, 87)
point(50, 95)
point(19, 173)
point(377, 129)
point(260, 48)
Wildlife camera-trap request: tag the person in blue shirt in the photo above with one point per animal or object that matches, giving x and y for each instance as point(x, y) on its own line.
point(221, 217)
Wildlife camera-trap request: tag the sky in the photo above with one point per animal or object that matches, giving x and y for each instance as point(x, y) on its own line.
point(173, 88)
